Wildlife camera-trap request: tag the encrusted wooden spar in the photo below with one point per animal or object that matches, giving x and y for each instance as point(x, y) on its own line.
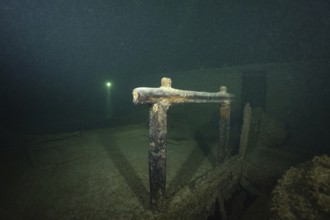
point(144, 95)
point(160, 99)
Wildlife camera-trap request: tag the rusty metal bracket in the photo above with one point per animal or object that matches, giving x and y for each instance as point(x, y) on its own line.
point(160, 99)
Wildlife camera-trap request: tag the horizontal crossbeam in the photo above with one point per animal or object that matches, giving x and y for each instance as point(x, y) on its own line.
point(168, 95)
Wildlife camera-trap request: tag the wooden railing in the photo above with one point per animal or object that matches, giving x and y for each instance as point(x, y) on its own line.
point(160, 99)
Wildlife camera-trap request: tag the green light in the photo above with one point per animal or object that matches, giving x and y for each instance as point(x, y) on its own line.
point(108, 84)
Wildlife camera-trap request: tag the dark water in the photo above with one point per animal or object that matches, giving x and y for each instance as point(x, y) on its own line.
point(57, 55)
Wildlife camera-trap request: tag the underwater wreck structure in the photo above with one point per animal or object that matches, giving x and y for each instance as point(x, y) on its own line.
point(160, 99)
point(236, 182)
point(103, 173)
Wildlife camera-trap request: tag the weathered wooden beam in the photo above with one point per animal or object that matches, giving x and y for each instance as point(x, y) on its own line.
point(157, 154)
point(224, 128)
point(166, 93)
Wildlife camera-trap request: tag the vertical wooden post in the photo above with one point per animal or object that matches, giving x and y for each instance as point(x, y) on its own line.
point(157, 151)
point(244, 138)
point(224, 127)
